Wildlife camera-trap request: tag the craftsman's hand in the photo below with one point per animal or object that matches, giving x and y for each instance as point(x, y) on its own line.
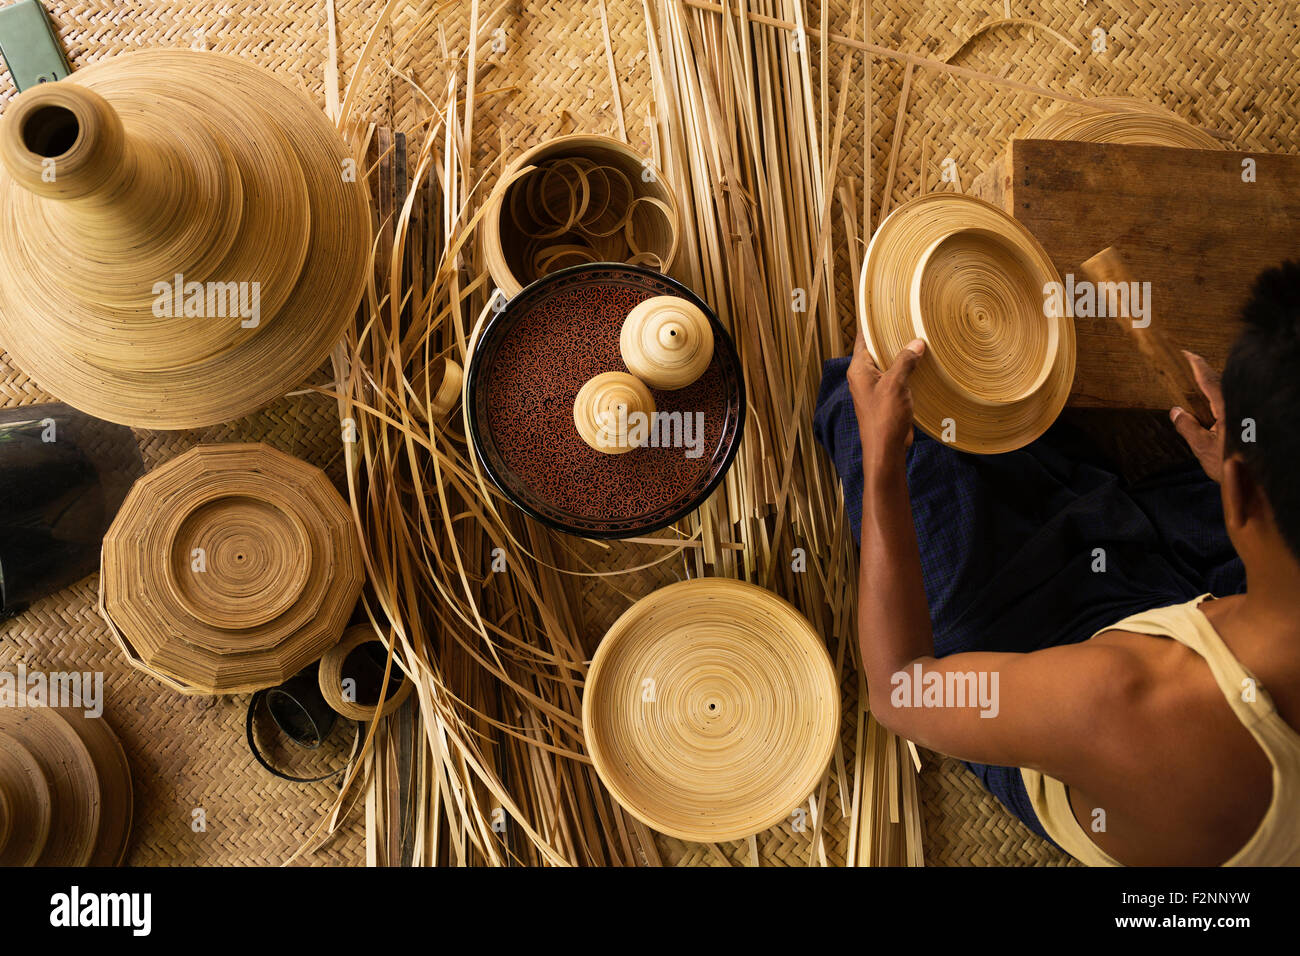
point(1206, 444)
point(883, 402)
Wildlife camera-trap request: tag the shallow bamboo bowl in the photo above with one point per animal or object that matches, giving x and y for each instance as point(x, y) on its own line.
point(969, 280)
point(532, 229)
point(153, 165)
point(711, 709)
point(229, 569)
point(1124, 120)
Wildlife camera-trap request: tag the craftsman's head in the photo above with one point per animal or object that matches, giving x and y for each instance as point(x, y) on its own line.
point(1261, 427)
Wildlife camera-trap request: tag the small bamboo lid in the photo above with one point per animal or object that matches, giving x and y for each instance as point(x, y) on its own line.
point(667, 342)
point(603, 411)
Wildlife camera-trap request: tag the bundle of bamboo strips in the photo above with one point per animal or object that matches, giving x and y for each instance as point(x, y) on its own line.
point(476, 602)
point(753, 147)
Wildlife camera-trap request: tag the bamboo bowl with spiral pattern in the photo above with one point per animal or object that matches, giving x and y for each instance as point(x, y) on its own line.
point(711, 709)
point(970, 281)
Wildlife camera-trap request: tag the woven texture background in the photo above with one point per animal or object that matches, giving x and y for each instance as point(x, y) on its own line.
point(1232, 70)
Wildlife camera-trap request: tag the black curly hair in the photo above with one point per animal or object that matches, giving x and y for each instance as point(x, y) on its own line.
point(1261, 395)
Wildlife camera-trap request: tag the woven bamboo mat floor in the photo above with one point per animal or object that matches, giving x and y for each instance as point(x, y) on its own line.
point(1232, 70)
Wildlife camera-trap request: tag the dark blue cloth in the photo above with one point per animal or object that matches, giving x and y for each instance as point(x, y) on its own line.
point(1012, 545)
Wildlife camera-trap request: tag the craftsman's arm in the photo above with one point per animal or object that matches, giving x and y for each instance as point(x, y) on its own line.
point(1039, 710)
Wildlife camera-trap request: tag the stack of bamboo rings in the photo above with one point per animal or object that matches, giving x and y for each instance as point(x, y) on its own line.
point(711, 709)
point(575, 200)
point(65, 788)
point(971, 282)
point(229, 569)
point(1122, 120)
point(181, 240)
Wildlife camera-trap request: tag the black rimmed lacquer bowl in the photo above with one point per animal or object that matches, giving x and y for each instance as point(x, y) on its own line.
point(528, 365)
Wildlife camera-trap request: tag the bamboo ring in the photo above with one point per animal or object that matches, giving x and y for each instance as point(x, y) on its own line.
point(609, 191)
point(447, 378)
point(181, 243)
point(711, 709)
point(604, 407)
point(667, 342)
point(332, 672)
point(27, 804)
point(970, 281)
point(1121, 119)
point(229, 569)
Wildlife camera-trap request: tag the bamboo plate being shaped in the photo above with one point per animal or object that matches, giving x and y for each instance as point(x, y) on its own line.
point(711, 709)
point(971, 282)
point(528, 366)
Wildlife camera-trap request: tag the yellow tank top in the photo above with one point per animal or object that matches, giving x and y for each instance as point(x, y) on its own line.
point(1277, 840)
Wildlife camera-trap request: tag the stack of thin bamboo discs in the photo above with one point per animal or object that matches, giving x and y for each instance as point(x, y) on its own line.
point(1124, 120)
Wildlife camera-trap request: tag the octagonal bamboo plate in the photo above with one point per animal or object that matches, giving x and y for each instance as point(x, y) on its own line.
point(969, 280)
point(711, 709)
point(229, 569)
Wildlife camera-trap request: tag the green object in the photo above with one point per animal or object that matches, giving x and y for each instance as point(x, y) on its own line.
point(30, 46)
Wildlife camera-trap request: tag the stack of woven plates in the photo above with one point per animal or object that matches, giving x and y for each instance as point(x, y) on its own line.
point(229, 569)
point(65, 789)
point(1124, 120)
point(971, 282)
point(711, 709)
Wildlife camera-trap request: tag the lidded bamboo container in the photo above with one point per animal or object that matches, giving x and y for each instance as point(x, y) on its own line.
point(183, 238)
point(603, 411)
point(667, 342)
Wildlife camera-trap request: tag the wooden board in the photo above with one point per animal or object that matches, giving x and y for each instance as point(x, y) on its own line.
point(1183, 219)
